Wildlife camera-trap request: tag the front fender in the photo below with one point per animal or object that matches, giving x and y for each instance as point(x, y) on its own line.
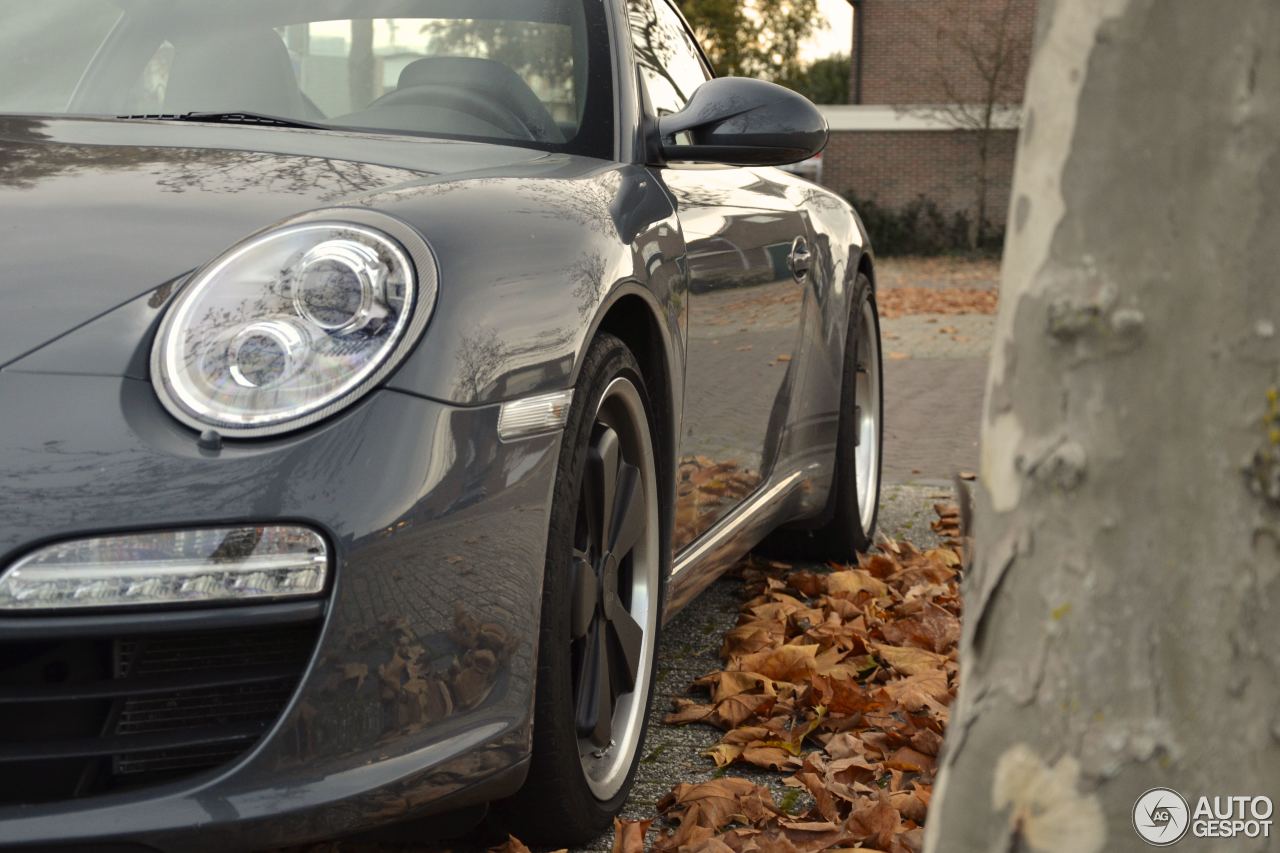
point(531, 257)
point(529, 266)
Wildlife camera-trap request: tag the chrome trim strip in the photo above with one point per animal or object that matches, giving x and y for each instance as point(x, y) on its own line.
point(534, 415)
point(732, 523)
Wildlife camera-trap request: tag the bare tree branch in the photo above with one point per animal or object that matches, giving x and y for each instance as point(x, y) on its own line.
point(977, 64)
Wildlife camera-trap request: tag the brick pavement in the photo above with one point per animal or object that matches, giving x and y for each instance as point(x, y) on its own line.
point(932, 414)
point(935, 372)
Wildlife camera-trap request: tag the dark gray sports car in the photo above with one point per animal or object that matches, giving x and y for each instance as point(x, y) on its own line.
point(375, 377)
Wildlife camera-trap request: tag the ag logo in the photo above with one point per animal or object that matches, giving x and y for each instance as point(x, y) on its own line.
point(1161, 817)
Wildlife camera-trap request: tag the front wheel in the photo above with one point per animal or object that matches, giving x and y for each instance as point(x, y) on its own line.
point(600, 608)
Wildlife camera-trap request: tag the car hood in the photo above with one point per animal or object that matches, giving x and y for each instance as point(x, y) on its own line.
point(94, 213)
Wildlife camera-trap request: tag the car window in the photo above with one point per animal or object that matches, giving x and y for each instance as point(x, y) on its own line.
point(40, 61)
point(345, 66)
point(525, 72)
point(147, 93)
point(671, 67)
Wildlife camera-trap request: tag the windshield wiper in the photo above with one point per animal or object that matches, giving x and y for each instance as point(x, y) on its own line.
point(259, 119)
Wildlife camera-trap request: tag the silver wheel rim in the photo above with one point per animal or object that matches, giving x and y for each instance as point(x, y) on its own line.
point(608, 750)
point(867, 400)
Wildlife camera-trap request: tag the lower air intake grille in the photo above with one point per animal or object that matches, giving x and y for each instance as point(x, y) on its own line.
point(87, 716)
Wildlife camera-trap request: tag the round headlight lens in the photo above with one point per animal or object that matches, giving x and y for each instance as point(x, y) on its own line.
point(339, 285)
point(288, 328)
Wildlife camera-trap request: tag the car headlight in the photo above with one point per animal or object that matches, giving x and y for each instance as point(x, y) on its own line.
point(294, 325)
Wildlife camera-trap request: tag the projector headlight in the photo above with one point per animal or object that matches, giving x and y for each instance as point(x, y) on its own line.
point(293, 325)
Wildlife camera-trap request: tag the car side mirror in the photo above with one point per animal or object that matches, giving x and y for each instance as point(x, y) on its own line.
point(744, 122)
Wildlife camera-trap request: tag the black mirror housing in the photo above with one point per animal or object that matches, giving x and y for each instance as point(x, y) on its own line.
point(742, 122)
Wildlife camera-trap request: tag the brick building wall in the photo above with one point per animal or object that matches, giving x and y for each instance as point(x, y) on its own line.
point(922, 51)
point(917, 53)
point(893, 168)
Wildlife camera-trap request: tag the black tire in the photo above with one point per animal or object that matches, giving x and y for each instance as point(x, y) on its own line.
point(557, 804)
point(842, 533)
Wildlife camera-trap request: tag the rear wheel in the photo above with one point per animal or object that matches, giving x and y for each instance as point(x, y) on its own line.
point(853, 507)
point(867, 414)
point(600, 609)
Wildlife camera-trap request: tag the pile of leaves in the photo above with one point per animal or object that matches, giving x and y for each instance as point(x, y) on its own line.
point(942, 271)
point(906, 301)
point(840, 679)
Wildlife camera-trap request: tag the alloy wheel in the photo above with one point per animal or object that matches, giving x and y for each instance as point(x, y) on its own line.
point(615, 589)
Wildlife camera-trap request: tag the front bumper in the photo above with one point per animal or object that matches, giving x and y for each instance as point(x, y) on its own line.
point(439, 532)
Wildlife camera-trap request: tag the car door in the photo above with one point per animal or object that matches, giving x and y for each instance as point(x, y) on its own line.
point(746, 240)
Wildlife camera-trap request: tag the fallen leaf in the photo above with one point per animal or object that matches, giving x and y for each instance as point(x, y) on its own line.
point(875, 821)
point(850, 583)
point(908, 760)
point(710, 804)
point(628, 835)
point(909, 660)
point(786, 663)
point(919, 691)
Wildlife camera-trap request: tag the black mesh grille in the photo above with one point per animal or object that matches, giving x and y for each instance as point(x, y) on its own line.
point(85, 716)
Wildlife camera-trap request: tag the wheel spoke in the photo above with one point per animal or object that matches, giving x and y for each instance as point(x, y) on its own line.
point(601, 483)
point(594, 701)
point(585, 590)
point(628, 641)
point(628, 512)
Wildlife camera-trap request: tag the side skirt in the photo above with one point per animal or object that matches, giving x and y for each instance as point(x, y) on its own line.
point(729, 540)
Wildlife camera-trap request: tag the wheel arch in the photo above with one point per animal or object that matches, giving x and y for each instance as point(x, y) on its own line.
point(867, 266)
point(633, 317)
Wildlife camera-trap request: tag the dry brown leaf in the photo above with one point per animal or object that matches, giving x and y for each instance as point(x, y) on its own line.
point(786, 663)
point(927, 741)
point(913, 805)
point(688, 711)
point(724, 754)
point(908, 760)
point(918, 691)
point(770, 757)
point(628, 835)
point(712, 804)
point(933, 628)
point(909, 660)
point(876, 821)
point(848, 584)
point(725, 685)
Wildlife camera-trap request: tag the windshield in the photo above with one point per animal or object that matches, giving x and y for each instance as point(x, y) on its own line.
point(525, 72)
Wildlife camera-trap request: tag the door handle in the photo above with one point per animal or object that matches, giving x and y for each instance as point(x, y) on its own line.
point(800, 260)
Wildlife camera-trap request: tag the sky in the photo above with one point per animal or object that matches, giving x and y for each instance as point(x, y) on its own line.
point(837, 37)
